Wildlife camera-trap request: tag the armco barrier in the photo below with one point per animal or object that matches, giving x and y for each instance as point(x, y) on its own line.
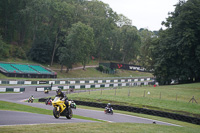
point(82, 81)
point(94, 86)
point(2, 89)
point(140, 110)
point(144, 111)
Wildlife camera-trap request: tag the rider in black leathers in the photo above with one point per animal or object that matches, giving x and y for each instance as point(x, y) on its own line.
point(108, 106)
point(62, 95)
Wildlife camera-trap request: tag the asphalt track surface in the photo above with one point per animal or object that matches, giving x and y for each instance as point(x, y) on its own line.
point(19, 118)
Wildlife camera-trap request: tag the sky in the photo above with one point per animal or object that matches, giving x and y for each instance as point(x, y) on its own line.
point(147, 14)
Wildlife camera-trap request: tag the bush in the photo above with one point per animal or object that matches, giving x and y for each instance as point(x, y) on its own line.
point(101, 68)
point(4, 49)
point(17, 52)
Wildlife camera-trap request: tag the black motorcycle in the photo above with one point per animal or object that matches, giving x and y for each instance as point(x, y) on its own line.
point(108, 111)
point(30, 100)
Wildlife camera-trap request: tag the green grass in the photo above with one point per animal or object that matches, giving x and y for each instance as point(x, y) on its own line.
point(92, 72)
point(167, 102)
point(97, 128)
point(24, 108)
point(9, 92)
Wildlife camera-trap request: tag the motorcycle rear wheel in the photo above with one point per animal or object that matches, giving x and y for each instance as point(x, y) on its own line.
point(56, 113)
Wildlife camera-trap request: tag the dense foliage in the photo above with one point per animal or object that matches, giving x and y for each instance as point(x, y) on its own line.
point(73, 31)
point(176, 52)
point(45, 30)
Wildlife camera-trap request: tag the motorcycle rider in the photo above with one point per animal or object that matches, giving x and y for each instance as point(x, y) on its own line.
point(108, 106)
point(31, 98)
point(48, 100)
point(62, 95)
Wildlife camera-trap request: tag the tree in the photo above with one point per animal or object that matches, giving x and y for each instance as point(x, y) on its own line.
point(4, 49)
point(178, 56)
point(130, 43)
point(41, 49)
point(122, 20)
point(148, 41)
point(77, 46)
point(61, 17)
point(81, 37)
point(103, 20)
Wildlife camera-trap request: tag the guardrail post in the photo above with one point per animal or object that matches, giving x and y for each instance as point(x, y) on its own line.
point(128, 92)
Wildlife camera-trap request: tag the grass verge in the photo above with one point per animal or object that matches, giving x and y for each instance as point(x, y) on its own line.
point(97, 128)
point(172, 98)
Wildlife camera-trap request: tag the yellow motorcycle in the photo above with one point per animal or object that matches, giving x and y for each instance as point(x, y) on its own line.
point(60, 109)
point(46, 91)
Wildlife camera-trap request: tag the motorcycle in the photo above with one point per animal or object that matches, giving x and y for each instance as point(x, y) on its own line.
point(48, 101)
point(72, 104)
point(30, 100)
point(60, 109)
point(46, 91)
point(108, 111)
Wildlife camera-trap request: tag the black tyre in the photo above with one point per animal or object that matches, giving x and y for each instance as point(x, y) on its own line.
point(69, 114)
point(56, 113)
point(105, 111)
point(111, 112)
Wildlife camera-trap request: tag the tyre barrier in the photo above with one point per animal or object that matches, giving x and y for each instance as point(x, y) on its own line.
point(174, 116)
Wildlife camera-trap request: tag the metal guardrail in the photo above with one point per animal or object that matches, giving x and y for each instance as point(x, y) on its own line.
point(174, 116)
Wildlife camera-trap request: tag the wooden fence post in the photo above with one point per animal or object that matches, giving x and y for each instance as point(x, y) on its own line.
point(129, 92)
point(160, 95)
point(193, 99)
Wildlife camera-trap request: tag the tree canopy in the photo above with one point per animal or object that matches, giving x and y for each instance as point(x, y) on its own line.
point(177, 52)
point(71, 31)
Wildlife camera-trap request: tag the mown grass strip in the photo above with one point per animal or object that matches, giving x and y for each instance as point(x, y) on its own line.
point(97, 128)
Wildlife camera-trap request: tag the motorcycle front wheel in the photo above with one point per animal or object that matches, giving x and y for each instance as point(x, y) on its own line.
point(69, 113)
point(56, 113)
point(111, 112)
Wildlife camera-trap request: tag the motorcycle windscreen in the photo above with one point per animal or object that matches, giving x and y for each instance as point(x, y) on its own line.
point(56, 98)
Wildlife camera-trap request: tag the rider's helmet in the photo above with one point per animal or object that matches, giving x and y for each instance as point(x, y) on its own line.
point(58, 91)
point(108, 104)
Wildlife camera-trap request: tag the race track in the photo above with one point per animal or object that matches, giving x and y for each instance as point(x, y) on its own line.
point(21, 118)
point(10, 117)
